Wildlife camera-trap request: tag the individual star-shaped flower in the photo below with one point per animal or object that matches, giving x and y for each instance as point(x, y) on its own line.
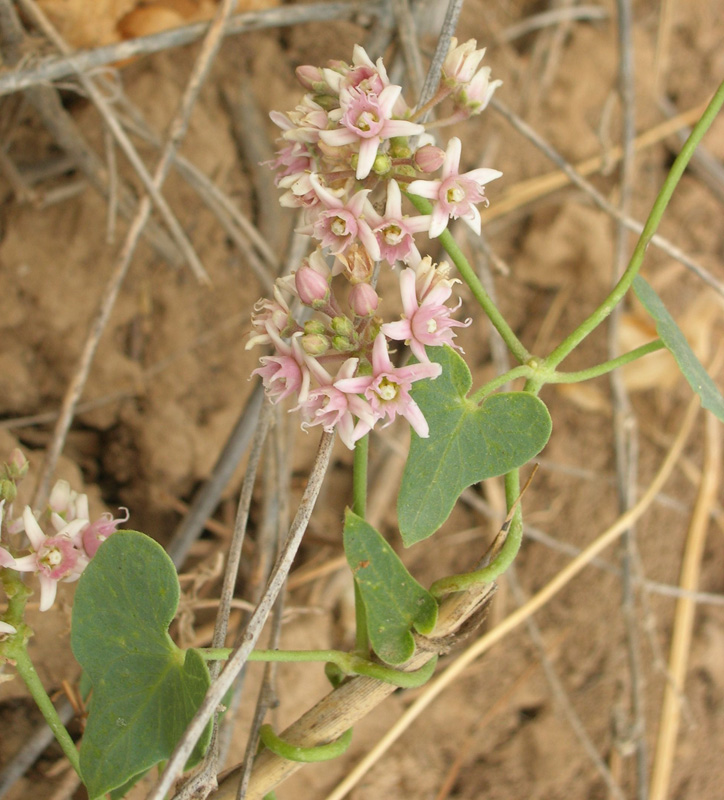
point(455, 194)
point(340, 224)
point(395, 231)
point(54, 558)
point(426, 321)
point(366, 121)
point(388, 388)
point(332, 408)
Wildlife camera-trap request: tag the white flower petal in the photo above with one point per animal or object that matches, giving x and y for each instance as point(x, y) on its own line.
point(33, 530)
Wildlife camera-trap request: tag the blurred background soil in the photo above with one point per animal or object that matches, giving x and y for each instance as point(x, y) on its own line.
point(171, 377)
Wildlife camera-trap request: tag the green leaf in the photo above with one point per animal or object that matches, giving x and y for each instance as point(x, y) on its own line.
point(675, 342)
point(467, 444)
point(145, 688)
point(395, 602)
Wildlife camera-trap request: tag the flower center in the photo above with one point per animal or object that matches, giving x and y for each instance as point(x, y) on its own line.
point(387, 390)
point(339, 226)
point(392, 234)
point(455, 193)
point(52, 558)
point(366, 120)
point(431, 326)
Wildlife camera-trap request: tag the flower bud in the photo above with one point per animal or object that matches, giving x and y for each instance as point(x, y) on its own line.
point(17, 464)
point(342, 345)
point(314, 327)
point(363, 300)
point(311, 78)
point(314, 344)
point(343, 327)
point(429, 158)
point(8, 491)
point(311, 286)
point(400, 148)
point(382, 164)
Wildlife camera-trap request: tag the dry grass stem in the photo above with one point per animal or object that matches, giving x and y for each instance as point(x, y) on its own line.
point(528, 191)
point(178, 128)
point(664, 244)
point(83, 62)
point(685, 612)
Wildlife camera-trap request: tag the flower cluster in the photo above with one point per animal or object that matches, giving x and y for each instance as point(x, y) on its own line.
point(62, 539)
point(349, 153)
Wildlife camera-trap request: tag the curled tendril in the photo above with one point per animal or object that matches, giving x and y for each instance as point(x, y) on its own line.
point(307, 755)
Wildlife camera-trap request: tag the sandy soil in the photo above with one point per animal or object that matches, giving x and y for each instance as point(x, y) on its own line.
point(171, 376)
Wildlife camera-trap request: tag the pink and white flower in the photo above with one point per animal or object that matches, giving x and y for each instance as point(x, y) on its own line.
point(335, 409)
point(94, 534)
point(269, 313)
point(461, 62)
point(285, 373)
point(455, 194)
point(366, 121)
point(395, 231)
point(426, 320)
point(54, 558)
point(475, 96)
point(341, 223)
point(364, 74)
point(388, 388)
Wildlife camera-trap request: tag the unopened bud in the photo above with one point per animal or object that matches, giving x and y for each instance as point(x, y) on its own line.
point(8, 491)
point(17, 464)
point(400, 147)
point(343, 327)
point(363, 300)
point(311, 78)
point(311, 286)
point(382, 164)
point(314, 327)
point(314, 344)
point(326, 101)
point(429, 158)
point(342, 345)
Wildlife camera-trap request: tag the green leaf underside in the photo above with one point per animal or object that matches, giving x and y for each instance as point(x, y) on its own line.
point(467, 444)
point(145, 689)
point(671, 335)
point(395, 602)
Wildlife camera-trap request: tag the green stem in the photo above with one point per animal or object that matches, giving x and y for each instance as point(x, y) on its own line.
point(606, 366)
point(511, 546)
point(359, 476)
point(27, 672)
point(424, 206)
point(359, 506)
point(307, 755)
point(348, 663)
point(652, 223)
point(523, 371)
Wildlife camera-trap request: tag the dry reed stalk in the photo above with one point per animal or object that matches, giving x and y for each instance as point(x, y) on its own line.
point(686, 611)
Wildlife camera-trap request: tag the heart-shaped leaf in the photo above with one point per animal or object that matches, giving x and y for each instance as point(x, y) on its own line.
point(395, 602)
point(467, 443)
point(676, 343)
point(145, 689)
